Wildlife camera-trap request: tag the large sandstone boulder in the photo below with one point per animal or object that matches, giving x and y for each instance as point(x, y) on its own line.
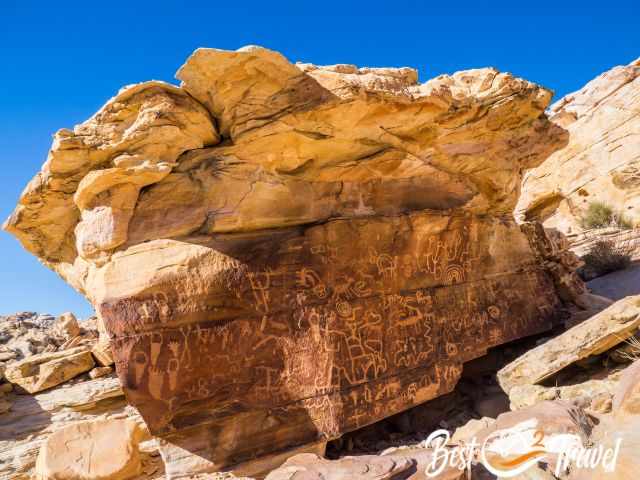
point(284, 253)
point(600, 162)
point(594, 336)
point(91, 450)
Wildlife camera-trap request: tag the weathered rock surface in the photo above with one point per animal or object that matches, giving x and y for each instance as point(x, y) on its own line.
point(626, 400)
point(403, 464)
point(593, 395)
point(26, 333)
point(92, 450)
point(101, 351)
point(67, 326)
point(46, 370)
point(283, 253)
point(33, 418)
point(600, 162)
point(592, 337)
point(365, 467)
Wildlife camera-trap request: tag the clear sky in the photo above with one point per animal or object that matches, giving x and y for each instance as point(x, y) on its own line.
point(61, 61)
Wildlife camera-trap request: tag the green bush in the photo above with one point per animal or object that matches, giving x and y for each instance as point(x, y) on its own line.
point(600, 215)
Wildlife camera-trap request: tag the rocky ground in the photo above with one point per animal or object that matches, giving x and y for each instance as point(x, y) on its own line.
point(58, 376)
point(65, 414)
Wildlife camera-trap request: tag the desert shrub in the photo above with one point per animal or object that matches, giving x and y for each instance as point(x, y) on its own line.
point(623, 222)
point(600, 215)
point(605, 256)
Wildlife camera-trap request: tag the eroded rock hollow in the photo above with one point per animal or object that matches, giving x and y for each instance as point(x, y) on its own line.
point(282, 252)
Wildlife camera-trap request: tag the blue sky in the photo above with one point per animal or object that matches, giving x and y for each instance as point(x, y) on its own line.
point(60, 61)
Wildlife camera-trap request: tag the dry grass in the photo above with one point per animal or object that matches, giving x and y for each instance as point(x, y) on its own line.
point(632, 352)
point(606, 256)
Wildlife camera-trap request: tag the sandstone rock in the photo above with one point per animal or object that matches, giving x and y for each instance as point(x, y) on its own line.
point(592, 395)
point(366, 467)
point(33, 418)
point(549, 423)
point(7, 355)
point(599, 163)
point(47, 370)
point(100, 372)
point(471, 429)
point(592, 337)
point(624, 239)
point(96, 450)
point(606, 435)
point(182, 459)
point(67, 325)
point(421, 459)
point(336, 259)
point(101, 351)
point(627, 395)
point(24, 334)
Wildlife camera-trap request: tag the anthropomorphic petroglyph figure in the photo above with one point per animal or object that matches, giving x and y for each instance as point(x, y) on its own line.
point(260, 283)
point(173, 365)
point(155, 347)
point(156, 382)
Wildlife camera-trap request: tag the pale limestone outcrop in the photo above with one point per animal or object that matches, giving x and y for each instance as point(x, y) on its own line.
point(600, 162)
point(278, 251)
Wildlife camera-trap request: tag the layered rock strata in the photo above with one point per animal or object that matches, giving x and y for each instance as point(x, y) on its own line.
point(600, 163)
point(283, 253)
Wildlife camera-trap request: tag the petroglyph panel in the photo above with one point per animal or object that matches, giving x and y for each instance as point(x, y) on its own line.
point(337, 324)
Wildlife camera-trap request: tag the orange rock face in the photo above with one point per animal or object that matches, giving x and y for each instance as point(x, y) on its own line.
point(283, 253)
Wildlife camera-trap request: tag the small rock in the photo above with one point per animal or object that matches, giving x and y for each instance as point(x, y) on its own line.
point(102, 353)
point(602, 403)
point(470, 429)
point(6, 387)
point(67, 325)
point(100, 372)
point(7, 355)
